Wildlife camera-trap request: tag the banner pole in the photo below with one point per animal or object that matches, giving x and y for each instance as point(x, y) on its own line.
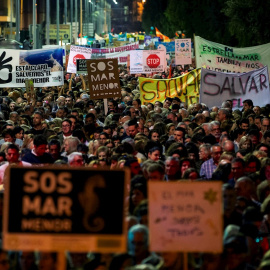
point(105, 106)
point(61, 261)
point(185, 261)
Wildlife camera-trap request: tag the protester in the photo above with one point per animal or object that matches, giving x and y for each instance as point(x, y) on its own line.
point(66, 126)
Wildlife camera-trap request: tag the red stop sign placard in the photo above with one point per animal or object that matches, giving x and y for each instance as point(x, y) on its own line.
point(77, 56)
point(153, 61)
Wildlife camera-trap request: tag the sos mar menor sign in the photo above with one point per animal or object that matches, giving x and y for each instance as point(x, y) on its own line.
point(103, 78)
point(54, 209)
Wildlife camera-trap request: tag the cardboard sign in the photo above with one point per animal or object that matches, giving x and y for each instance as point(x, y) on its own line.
point(219, 86)
point(81, 66)
point(103, 78)
point(183, 52)
point(185, 216)
point(77, 52)
point(29, 85)
point(136, 62)
point(56, 209)
point(154, 61)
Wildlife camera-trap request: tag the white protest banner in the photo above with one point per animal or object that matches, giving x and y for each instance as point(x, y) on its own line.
point(129, 47)
point(185, 216)
point(217, 87)
point(48, 208)
point(120, 53)
point(136, 62)
point(154, 61)
point(77, 52)
point(120, 56)
point(183, 52)
point(223, 58)
point(44, 67)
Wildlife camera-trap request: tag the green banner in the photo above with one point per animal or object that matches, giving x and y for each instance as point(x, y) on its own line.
point(223, 58)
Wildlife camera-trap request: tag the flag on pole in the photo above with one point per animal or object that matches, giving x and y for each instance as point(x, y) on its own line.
point(159, 34)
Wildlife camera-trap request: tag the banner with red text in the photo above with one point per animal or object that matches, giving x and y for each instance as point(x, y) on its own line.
point(120, 53)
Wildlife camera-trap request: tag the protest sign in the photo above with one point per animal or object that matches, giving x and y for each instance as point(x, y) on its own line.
point(129, 47)
point(103, 78)
point(77, 52)
point(81, 66)
point(56, 209)
point(183, 52)
point(147, 61)
point(185, 87)
point(185, 216)
point(154, 61)
point(136, 62)
point(29, 86)
point(120, 56)
point(170, 46)
point(120, 53)
point(223, 58)
point(44, 67)
point(217, 87)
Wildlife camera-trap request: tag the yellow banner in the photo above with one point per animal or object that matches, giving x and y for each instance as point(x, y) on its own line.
point(185, 87)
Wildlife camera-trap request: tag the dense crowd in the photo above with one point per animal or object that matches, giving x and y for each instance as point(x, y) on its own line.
point(160, 141)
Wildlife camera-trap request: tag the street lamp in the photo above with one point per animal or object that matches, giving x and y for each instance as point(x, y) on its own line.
point(34, 25)
point(47, 22)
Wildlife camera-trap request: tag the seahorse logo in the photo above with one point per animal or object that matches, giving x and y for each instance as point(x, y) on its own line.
point(90, 202)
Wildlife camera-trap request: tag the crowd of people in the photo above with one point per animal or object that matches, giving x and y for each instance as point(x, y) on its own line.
point(162, 141)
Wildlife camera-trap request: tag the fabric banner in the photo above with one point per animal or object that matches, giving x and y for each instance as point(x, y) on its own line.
point(217, 87)
point(185, 87)
point(44, 67)
point(170, 46)
point(183, 52)
point(120, 56)
point(77, 52)
point(129, 47)
point(223, 58)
